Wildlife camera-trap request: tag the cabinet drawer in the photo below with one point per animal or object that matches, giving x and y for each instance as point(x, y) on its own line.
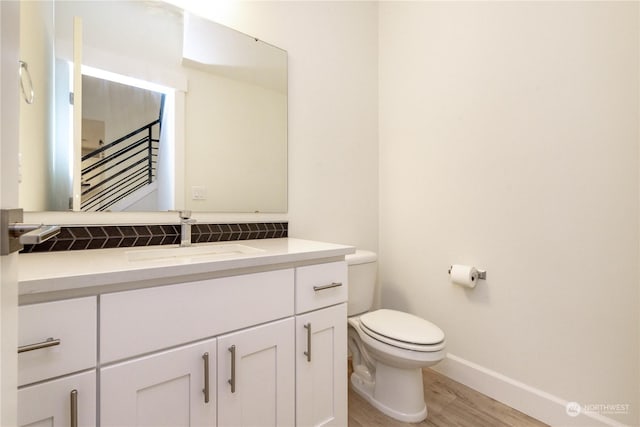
point(140, 321)
point(73, 322)
point(320, 285)
point(49, 403)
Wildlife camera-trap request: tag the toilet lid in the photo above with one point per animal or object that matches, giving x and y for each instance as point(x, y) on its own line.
point(403, 327)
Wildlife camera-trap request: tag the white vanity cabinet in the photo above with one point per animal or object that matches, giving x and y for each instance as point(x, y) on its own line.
point(321, 345)
point(241, 342)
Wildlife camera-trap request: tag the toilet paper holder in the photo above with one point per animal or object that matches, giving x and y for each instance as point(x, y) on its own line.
point(482, 274)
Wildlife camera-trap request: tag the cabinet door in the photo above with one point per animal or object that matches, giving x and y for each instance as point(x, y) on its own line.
point(321, 367)
point(163, 389)
point(256, 376)
point(50, 403)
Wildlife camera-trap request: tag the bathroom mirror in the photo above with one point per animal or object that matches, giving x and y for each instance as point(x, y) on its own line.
point(222, 146)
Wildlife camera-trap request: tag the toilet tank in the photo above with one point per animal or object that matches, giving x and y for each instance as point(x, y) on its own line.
point(363, 269)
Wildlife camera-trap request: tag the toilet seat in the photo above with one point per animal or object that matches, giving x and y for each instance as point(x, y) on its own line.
point(402, 330)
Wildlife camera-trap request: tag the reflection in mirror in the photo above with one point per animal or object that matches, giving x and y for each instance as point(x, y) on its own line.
point(236, 120)
point(121, 134)
point(224, 115)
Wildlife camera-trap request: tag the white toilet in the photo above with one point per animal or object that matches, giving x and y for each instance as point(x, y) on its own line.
point(389, 348)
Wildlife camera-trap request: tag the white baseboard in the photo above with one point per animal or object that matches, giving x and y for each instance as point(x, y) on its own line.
point(536, 403)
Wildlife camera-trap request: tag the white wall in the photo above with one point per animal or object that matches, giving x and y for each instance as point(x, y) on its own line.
point(236, 152)
point(333, 152)
point(36, 44)
point(509, 140)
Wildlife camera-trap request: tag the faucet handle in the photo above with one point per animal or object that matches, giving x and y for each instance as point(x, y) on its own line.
point(183, 213)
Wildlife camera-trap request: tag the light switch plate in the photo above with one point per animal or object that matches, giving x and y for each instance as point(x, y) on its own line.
point(198, 192)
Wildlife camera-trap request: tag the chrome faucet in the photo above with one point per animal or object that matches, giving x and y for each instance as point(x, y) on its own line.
point(185, 227)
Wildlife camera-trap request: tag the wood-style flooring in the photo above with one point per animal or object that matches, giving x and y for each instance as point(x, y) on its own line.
point(449, 404)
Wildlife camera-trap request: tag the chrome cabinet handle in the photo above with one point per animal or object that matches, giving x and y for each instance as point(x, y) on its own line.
point(28, 98)
point(205, 390)
point(329, 286)
point(74, 408)
point(232, 381)
point(50, 342)
point(308, 352)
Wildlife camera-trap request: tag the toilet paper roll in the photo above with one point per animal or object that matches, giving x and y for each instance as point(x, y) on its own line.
point(464, 275)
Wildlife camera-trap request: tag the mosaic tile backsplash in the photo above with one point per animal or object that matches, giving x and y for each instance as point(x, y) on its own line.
point(78, 238)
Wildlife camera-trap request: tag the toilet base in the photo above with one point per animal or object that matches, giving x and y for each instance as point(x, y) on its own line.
point(395, 392)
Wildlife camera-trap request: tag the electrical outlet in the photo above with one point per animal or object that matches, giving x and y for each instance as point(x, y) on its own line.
point(198, 192)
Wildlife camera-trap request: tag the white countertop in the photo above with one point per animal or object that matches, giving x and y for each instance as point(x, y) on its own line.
point(47, 272)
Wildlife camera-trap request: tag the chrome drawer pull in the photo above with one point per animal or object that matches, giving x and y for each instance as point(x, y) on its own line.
point(323, 287)
point(308, 352)
point(50, 342)
point(205, 390)
point(232, 381)
point(74, 408)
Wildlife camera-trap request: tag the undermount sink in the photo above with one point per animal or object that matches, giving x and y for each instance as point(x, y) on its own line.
point(194, 253)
